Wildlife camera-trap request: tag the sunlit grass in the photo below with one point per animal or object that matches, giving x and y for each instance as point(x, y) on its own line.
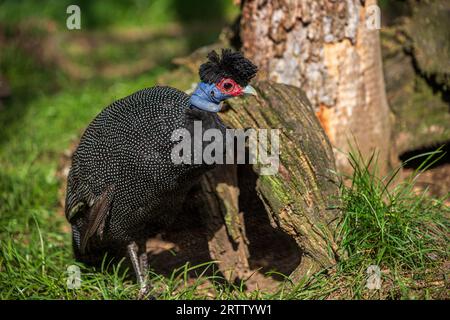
point(382, 224)
point(126, 13)
point(390, 226)
point(404, 233)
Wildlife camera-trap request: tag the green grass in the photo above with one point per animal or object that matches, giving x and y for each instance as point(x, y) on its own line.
point(403, 233)
point(390, 227)
point(393, 227)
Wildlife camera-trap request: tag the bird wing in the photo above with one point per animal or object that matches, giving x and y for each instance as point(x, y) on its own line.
point(97, 216)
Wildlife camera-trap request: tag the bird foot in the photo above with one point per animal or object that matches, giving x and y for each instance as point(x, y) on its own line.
point(140, 266)
point(144, 293)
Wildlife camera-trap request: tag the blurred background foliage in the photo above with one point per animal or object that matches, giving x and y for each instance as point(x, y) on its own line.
point(415, 42)
point(124, 44)
point(104, 14)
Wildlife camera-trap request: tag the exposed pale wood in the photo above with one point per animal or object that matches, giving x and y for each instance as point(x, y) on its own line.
point(325, 48)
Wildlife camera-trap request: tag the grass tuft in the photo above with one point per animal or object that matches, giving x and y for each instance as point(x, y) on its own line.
point(390, 225)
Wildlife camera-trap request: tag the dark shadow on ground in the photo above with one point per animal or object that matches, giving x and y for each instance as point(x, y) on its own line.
point(435, 181)
point(416, 163)
point(270, 249)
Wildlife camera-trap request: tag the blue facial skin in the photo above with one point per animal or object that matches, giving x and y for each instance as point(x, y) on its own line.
point(208, 97)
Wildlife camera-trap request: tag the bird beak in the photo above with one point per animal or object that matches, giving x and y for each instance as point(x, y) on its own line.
point(250, 90)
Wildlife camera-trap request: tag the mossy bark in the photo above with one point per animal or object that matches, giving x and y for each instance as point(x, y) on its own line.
point(416, 61)
point(300, 199)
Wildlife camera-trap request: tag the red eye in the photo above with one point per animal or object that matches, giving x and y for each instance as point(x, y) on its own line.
point(229, 87)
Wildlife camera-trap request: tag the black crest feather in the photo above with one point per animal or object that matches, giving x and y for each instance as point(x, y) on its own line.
point(232, 65)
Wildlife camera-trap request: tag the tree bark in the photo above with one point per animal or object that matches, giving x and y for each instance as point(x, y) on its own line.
point(300, 200)
point(417, 74)
point(325, 48)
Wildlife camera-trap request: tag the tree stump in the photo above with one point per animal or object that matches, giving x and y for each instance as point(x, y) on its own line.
point(300, 199)
point(250, 218)
point(331, 50)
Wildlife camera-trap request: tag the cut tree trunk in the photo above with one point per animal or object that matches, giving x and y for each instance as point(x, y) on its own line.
point(325, 48)
point(242, 209)
point(300, 199)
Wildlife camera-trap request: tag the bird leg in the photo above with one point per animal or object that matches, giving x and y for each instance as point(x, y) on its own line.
point(143, 263)
point(140, 266)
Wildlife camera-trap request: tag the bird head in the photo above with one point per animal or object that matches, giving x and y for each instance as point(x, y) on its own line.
point(223, 78)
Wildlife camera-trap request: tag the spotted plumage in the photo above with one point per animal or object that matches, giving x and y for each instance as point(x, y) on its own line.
point(123, 184)
point(125, 155)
